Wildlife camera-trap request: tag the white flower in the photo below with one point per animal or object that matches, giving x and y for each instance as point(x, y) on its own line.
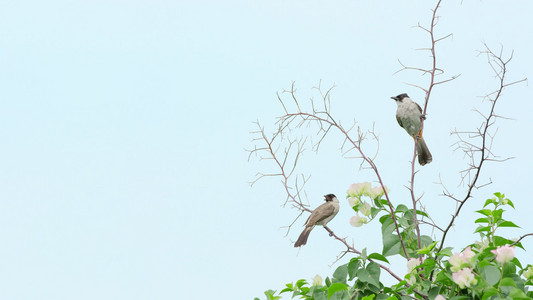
point(440, 297)
point(364, 208)
point(464, 278)
point(377, 192)
point(412, 263)
point(357, 221)
point(504, 254)
point(317, 280)
point(353, 201)
point(528, 274)
point(468, 254)
point(481, 245)
point(359, 189)
point(458, 260)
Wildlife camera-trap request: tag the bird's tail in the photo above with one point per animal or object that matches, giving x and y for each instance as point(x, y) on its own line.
point(424, 156)
point(302, 240)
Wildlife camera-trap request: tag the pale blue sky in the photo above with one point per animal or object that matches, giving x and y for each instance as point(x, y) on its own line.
point(123, 126)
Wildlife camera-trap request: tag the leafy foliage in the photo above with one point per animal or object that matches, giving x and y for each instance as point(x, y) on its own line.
point(486, 269)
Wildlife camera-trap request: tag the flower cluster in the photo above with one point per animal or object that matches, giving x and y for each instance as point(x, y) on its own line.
point(355, 193)
point(464, 278)
point(357, 190)
point(461, 266)
point(460, 260)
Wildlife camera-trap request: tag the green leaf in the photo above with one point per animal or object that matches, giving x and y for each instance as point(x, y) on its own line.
point(391, 245)
point(270, 295)
point(404, 221)
point(374, 212)
point(508, 282)
point(391, 242)
point(422, 213)
point(485, 263)
point(433, 292)
point(445, 278)
point(336, 287)
point(300, 283)
point(489, 201)
point(507, 224)
point(427, 249)
point(289, 285)
point(328, 281)
point(428, 265)
point(369, 297)
point(486, 212)
point(489, 292)
point(353, 266)
point(482, 220)
point(500, 241)
point(369, 275)
point(497, 214)
point(510, 203)
point(491, 274)
point(320, 294)
point(340, 274)
point(518, 294)
point(445, 252)
point(401, 208)
point(374, 271)
point(516, 262)
point(509, 269)
point(483, 229)
point(378, 257)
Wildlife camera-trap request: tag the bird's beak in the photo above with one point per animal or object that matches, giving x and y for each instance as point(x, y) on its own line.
point(393, 98)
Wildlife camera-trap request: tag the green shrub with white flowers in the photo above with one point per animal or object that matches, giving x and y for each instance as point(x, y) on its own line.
point(485, 269)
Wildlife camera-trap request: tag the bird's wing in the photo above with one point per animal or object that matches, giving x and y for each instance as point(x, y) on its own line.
point(399, 121)
point(419, 108)
point(320, 213)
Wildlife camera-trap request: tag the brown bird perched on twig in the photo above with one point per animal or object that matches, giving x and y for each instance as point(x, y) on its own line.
point(320, 216)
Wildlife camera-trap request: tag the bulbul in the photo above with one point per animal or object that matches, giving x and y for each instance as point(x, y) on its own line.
point(320, 216)
point(409, 115)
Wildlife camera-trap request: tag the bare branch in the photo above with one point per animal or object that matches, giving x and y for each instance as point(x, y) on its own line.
point(520, 238)
point(481, 152)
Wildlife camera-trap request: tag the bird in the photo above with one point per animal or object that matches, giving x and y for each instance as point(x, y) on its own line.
point(409, 115)
point(320, 216)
